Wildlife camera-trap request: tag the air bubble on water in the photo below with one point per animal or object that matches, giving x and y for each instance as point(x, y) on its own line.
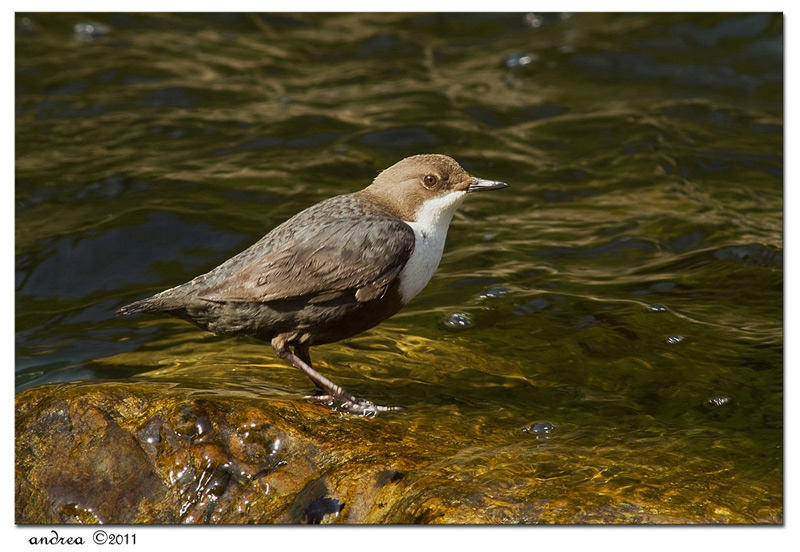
point(657, 308)
point(675, 339)
point(533, 20)
point(25, 25)
point(89, 31)
point(458, 321)
point(717, 401)
point(518, 60)
point(541, 430)
point(494, 292)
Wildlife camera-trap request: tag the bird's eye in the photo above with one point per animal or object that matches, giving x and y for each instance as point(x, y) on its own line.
point(430, 180)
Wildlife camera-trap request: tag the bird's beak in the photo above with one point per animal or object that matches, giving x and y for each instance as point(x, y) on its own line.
point(480, 185)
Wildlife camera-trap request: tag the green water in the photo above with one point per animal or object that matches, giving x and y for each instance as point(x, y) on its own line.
point(627, 288)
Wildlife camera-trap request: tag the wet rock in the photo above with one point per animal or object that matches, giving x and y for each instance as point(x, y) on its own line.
point(148, 452)
point(153, 453)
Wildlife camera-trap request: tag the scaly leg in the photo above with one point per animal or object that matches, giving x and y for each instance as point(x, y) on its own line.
point(301, 359)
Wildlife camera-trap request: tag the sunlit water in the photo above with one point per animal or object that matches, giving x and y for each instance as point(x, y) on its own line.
point(617, 312)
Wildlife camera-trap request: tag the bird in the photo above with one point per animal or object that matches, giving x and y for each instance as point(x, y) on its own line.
point(332, 271)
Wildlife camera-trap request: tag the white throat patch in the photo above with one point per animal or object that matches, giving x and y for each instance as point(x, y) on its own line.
point(430, 231)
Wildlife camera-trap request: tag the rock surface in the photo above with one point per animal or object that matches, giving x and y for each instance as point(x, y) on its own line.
point(159, 453)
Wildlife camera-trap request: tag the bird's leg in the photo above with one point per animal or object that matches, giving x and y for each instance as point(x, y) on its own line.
point(303, 352)
point(301, 359)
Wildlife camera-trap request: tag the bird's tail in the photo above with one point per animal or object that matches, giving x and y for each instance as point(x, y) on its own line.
point(154, 304)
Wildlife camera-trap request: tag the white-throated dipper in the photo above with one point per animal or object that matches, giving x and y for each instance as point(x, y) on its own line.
point(333, 270)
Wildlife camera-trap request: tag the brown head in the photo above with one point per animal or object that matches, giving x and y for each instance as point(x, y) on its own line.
point(431, 181)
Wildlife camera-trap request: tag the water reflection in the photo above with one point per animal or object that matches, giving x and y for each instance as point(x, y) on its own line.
point(631, 282)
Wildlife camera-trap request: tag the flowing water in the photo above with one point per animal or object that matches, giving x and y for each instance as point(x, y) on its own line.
point(618, 309)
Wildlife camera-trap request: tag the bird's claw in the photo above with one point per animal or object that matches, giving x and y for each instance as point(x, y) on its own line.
point(354, 405)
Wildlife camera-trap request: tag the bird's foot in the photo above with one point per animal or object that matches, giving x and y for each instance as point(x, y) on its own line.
point(354, 405)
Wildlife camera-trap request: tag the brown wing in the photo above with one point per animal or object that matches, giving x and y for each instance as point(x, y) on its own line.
point(321, 256)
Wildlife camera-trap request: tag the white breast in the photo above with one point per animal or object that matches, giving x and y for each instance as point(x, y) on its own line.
point(430, 231)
